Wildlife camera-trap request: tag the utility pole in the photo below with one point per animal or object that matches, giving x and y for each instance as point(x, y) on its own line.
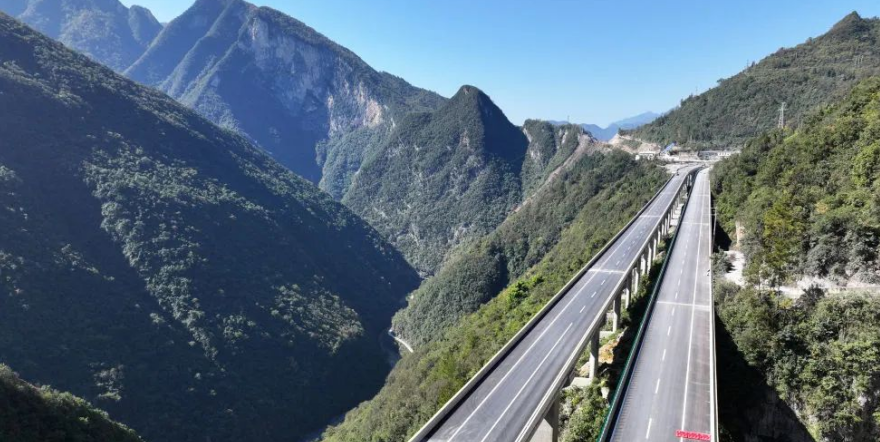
point(782, 116)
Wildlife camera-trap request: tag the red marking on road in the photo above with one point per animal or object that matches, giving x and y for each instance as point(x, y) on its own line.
point(692, 435)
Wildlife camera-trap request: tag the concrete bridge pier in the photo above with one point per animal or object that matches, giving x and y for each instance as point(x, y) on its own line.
point(594, 356)
point(548, 429)
point(615, 312)
point(635, 280)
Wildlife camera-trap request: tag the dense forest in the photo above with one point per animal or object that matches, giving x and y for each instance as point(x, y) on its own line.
point(424, 381)
point(805, 78)
point(442, 179)
point(31, 414)
point(819, 353)
point(170, 272)
point(475, 275)
point(808, 203)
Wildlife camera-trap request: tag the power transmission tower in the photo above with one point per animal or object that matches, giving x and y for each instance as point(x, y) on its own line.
point(782, 116)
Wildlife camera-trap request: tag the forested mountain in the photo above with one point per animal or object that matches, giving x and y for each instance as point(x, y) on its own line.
point(31, 414)
point(442, 178)
point(496, 286)
point(550, 148)
point(476, 275)
point(805, 77)
point(313, 104)
point(105, 30)
point(167, 270)
point(807, 202)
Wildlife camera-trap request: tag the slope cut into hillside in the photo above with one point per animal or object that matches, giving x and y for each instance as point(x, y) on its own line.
point(105, 30)
point(804, 77)
point(170, 272)
point(311, 103)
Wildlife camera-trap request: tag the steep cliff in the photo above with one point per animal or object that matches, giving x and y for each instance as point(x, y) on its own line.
point(314, 105)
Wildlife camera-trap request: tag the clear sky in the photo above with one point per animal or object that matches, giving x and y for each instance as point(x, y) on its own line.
point(590, 61)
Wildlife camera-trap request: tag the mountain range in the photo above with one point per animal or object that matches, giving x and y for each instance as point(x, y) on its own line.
point(608, 132)
point(105, 30)
point(805, 78)
point(170, 272)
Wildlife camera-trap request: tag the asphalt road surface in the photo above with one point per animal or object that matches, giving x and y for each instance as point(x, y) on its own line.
point(673, 384)
point(507, 399)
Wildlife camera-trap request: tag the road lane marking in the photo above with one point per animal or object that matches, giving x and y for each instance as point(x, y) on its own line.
point(684, 304)
point(516, 364)
point(673, 311)
point(526, 383)
point(657, 388)
point(627, 238)
point(664, 355)
point(603, 281)
point(668, 330)
point(582, 309)
point(593, 295)
point(693, 315)
point(648, 433)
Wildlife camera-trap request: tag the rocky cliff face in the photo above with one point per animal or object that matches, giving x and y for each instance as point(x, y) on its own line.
point(314, 105)
point(105, 30)
point(550, 147)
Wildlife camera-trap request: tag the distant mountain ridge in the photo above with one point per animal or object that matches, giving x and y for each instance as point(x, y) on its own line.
point(170, 272)
point(105, 30)
point(313, 104)
point(806, 77)
point(608, 132)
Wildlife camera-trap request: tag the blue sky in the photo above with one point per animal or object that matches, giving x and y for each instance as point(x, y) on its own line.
point(591, 61)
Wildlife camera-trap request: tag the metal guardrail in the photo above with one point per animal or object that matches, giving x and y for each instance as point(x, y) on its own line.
point(714, 387)
point(595, 326)
point(626, 376)
point(493, 362)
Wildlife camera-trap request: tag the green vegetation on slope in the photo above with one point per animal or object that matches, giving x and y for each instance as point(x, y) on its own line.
point(105, 30)
point(442, 179)
point(805, 77)
point(809, 201)
point(31, 414)
point(821, 354)
point(478, 273)
point(549, 147)
point(170, 272)
point(425, 380)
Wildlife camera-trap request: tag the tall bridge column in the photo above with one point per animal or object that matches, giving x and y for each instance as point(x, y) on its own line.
point(635, 280)
point(594, 356)
point(615, 311)
point(548, 430)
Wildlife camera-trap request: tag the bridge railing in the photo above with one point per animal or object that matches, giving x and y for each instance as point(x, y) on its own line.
point(493, 362)
point(626, 376)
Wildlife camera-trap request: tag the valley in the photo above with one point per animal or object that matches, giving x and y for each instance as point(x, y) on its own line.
point(226, 226)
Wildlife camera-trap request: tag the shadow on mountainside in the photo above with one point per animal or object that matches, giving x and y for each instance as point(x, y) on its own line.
point(749, 410)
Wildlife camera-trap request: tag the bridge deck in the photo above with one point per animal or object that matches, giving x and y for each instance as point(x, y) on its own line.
point(503, 405)
point(673, 384)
